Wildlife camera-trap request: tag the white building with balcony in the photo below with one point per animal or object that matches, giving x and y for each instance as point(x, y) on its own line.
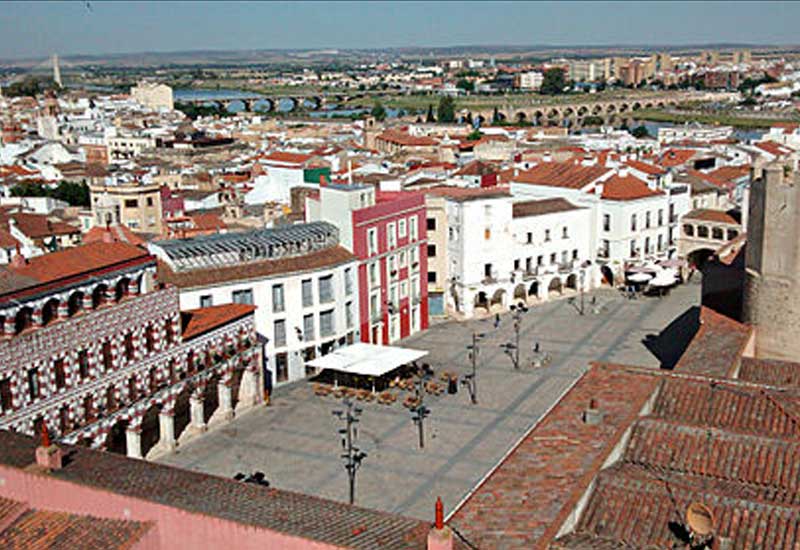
point(302, 282)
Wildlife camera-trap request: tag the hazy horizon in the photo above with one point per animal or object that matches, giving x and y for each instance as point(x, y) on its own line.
point(78, 28)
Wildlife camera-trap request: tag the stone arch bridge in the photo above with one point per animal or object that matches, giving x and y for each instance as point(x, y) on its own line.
point(296, 102)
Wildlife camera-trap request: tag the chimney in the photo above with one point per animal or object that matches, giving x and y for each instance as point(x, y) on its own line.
point(547, 157)
point(18, 260)
point(48, 456)
point(350, 172)
point(440, 537)
point(592, 416)
point(622, 171)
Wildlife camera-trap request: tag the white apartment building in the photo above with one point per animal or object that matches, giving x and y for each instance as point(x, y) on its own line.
point(301, 280)
point(531, 80)
point(631, 220)
point(501, 253)
point(153, 96)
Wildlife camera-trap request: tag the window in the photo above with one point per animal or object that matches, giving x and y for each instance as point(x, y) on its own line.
point(431, 276)
point(244, 296)
point(392, 264)
point(5, 395)
point(528, 264)
point(129, 347)
point(660, 242)
point(633, 249)
point(413, 229)
point(278, 304)
point(131, 203)
point(540, 260)
point(530, 238)
point(403, 289)
point(647, 220)
point(431, 251)
point(107, 356)
point(487, 233)
point(281, 367)
point(308, 327)
point(414, 257)
point(83, 364)
point(393, 296)
point(348, 314)
point(168, 333)
point(605, 249)
point(517, 263)
point(487, 270)
point(564, 233)
point(308, 293)
point(326, 289)
point(149, 201)
point(374, 308)
point(402, 259)
point(401, 229)
point(702, 231)
point(373, 274)
point(660, 217)
point(633, 222)
point(717, 233)
point(431, 224)
point(33, 383)
point(372, 241)
point(279, 329)
point(552, 258)
point(575, 254)
point(606, 222)
point(348, 281)
point(732, 234)
point(451, 233)
point(326, 323)
point(60, 375)
point(647, 249)
point(414, 284)
point(391, 235)
point(688, 230)
point(672, 213)
point(547, 235)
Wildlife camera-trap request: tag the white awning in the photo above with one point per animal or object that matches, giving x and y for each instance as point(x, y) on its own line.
point(367, 359)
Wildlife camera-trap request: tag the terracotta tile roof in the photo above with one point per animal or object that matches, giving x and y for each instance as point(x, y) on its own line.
point(773, 148)
point(405, 139)
point(45, 530)
point(648, 169)
point(540, 207)
point(477, 168)
point(266, 268)
point(116, 233)
point(199, 321)
point(76, 264)
point(717, 346)
point(207, 221)
point(676, 157)
point(627, 188)
point(708, 215)
point(37, 226)
point(307, 517)
point(772, 372)
point(286, 158)
point(524, 501)
point(560, 174)
point(726, 175)
point(467, 193)
point(7, 240)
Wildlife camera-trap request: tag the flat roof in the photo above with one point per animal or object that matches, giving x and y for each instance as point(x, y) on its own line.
point(367, 359)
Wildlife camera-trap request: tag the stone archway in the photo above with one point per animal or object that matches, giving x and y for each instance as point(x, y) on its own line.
point(151, 428)
point(533, 290)
point(555, 286)
point(182, 410)
point(608, 275)
point(520, 293)
point(116, 441)
point(482, 301)
point(572, 282)
point(498, 301)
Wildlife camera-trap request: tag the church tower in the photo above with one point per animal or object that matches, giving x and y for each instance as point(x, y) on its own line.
point(772, 287)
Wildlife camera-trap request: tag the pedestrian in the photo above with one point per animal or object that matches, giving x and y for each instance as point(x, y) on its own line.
point(496, 320)
point(536, 347)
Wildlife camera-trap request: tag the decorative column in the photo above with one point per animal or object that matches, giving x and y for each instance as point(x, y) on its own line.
point(133, 438)
point(10, 324)
point(63, 309)
point(166, 424)
point(249, 390)
point(87, 300)
point(224, 412)
point(36, 316)
point(197, 420)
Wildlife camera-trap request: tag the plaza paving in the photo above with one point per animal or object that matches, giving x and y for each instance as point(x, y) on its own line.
point(295, 441)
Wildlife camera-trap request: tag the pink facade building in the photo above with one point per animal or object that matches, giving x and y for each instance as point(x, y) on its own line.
point(386, 231)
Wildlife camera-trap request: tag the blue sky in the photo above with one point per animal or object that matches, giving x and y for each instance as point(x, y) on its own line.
point(36, 29)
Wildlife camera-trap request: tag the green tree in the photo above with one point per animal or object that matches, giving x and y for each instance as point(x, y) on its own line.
point(495, 116)
point(429, 117)
point(554, 81)
point(447, 109)
point(73, 193)
point(640, 132)
point(466, 85)
point(474, 135)
point(378, 111)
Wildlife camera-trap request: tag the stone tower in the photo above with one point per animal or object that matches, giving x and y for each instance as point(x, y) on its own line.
point(772, 288)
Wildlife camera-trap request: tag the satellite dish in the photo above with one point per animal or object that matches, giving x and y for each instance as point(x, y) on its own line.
point(700, 519)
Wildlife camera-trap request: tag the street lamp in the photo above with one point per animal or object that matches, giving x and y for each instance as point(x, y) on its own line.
point(471, 380)
point(419, 411)
point(512, 349)
point(351, 454)
point(582, 279)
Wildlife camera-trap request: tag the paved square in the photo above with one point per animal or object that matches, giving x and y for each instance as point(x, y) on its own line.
point(295, 441)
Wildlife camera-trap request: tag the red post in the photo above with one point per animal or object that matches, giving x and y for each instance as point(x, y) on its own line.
point(439, 514)
point(45, 435)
